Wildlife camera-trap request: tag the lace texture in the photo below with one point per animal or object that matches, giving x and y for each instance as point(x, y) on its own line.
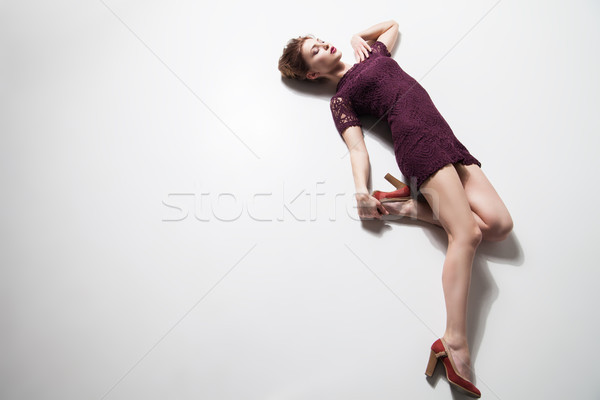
point(379, 48)
point(343, 113)
point(423, 140)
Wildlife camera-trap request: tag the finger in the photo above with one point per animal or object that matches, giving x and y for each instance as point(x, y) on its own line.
point(366, 52)
point(385, 211)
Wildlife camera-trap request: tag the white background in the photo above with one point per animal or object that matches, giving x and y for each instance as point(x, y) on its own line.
point(178, 221)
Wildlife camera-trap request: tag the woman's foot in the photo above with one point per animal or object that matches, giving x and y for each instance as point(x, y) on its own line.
point(404, 208)
point(461, 357)
point(414, 209)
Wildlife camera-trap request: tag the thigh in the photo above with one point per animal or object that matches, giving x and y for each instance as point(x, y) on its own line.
point(446, 195)
point(482, 197)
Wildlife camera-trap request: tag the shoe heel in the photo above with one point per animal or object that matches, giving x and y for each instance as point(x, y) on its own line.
point(431, 364)
point(398, 184)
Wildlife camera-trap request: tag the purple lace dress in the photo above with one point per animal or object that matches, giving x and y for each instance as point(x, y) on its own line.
point(423, 140)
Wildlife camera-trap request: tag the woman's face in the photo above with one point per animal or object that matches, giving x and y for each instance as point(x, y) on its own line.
point(320, 56)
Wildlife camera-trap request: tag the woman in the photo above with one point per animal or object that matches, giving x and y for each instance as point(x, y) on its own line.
point(458, 196)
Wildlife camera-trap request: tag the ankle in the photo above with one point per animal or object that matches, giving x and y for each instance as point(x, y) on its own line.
point(456, 342)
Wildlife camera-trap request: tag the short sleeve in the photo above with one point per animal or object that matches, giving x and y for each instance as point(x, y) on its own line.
point(380, 48)
point(343, 114)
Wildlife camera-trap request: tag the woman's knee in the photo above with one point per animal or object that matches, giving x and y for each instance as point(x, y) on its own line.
point(499, 228)
point(470, 235)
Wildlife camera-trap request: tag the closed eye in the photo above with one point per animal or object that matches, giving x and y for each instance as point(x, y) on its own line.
point(315, 52)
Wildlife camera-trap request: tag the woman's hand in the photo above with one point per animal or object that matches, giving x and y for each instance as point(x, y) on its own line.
point(361, 48)
point(369, 207)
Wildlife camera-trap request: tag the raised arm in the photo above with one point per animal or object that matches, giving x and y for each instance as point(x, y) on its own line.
point(385, 32)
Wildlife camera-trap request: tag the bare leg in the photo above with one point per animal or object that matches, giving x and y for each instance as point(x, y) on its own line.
point(446, 196)
point(487, 207)
point(419, 210)
point(492, 215)
point(412, 209)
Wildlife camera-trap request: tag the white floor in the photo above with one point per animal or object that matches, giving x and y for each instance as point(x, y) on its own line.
point(178, 222)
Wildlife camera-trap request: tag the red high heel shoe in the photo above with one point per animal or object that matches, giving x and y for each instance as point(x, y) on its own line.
point(402, 192)
point(440, 350)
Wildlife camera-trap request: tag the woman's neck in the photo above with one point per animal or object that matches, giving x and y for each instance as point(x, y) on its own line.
point(336, 75)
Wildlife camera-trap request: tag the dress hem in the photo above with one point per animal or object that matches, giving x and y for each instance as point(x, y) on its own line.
point(415, 182)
